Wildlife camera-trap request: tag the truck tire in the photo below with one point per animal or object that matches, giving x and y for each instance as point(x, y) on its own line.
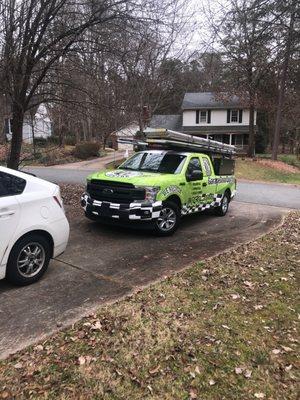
point(28, 260)
point(168, 221)
point(222, 209)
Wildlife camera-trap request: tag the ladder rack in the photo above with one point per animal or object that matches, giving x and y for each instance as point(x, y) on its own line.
point(168, 139)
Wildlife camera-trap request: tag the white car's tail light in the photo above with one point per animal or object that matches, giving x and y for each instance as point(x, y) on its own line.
point(57, 201)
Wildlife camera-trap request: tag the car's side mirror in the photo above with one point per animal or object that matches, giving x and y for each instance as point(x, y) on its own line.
point(196, 175)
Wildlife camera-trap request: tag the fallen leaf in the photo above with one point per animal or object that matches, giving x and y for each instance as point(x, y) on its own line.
point(226, 327)
point(154, 370)
point(212, 382)
point(81, 360)
point(259, 395)
point(197, 370)
point(288, 367)
point(150, 389)
point(285, 348)
point(96, 326)
point(276, 351)
point(193, 394)
point(247, 373)
point(238, 370)
point(258, 307)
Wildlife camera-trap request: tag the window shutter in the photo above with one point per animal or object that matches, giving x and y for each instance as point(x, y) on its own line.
point(228, 116)
point(240, 116)
point(197, 116)
point(208, 116)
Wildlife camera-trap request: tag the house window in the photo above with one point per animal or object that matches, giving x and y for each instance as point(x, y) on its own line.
point(203, 116)
point(234, 116)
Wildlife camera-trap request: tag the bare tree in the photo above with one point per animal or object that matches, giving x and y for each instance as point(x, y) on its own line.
point(35, 36)
point(245, 35)
point(289, 44)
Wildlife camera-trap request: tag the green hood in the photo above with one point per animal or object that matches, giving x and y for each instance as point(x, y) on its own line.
point(138, 178)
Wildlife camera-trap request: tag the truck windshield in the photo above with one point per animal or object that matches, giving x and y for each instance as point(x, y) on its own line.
point(166, 163)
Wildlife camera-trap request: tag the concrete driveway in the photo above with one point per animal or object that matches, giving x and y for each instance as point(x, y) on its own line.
point(103, 263)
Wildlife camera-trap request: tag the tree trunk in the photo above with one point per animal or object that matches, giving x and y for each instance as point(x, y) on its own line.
point(251, 146)
point(282, 86)
point(17, 136)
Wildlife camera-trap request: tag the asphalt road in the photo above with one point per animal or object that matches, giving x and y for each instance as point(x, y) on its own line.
point(103, 263)
point(280, 195)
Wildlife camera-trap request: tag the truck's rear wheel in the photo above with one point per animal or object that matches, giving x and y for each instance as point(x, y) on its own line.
point(222, 209)
point(168, 221)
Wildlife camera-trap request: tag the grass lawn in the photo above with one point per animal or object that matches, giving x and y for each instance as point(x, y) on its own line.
point(290, 159)
point(223, 329)
point(254, 170)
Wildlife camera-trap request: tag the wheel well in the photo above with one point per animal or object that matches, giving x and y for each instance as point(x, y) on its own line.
point(229, 193)
point(45, 234)
point(175, 199)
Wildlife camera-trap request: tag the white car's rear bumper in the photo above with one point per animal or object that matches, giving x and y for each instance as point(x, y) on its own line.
point(60, 233)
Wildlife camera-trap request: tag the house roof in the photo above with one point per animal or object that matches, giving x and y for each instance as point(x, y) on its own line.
point(171, 121)
point(211, 100)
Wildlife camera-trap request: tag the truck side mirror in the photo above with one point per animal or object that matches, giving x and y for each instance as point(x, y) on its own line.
point(196, 175)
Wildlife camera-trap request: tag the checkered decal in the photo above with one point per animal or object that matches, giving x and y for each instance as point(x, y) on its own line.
point(189, 209)
point(134, 211)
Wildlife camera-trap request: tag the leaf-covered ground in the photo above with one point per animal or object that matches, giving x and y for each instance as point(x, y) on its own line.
point(266, 170)
point(223, 329)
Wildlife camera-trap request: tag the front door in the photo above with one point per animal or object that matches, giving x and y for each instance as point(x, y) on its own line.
point(209, 185)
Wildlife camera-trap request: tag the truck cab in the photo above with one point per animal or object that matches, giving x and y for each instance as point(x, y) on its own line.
point(160, 186)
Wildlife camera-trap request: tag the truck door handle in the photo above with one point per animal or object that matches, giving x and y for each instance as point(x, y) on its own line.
point(204, 184)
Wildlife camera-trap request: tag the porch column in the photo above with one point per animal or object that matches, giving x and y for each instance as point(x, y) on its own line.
point(230, 138)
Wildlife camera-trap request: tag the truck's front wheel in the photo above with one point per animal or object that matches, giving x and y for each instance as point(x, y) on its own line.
point(168, 221)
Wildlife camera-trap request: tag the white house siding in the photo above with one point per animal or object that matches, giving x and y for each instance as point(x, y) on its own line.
point(42, 126)
point(218, 118)
point(127, 132)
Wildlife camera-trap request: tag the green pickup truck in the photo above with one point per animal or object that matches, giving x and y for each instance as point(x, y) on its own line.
point(160, 187)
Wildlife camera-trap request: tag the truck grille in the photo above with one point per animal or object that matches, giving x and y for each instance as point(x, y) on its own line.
point(114, 192)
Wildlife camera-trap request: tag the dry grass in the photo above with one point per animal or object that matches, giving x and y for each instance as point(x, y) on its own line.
point(266, 170)
point(223, 329)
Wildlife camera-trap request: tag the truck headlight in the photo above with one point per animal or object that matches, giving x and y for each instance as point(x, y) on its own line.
point(150, 192)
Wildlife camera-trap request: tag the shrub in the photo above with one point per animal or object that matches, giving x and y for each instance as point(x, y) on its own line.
point(86, 150)
point(53, 140)
point(70, 140)
point(40, 141)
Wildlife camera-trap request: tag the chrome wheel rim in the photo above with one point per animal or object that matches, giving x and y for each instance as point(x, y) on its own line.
point(31, 260)
point(167, 219)
point(225, 204)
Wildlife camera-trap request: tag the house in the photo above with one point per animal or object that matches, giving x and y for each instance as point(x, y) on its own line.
point(126, 134)
point(220, 117)
point(36, 125)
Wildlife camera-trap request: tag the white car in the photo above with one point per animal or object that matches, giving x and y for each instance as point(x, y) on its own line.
point(33, 226)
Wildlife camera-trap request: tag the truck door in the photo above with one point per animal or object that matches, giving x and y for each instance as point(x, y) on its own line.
point(193, 186)
point(209, 185)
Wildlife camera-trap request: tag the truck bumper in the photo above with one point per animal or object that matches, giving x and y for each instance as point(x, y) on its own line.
point(124, 212)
